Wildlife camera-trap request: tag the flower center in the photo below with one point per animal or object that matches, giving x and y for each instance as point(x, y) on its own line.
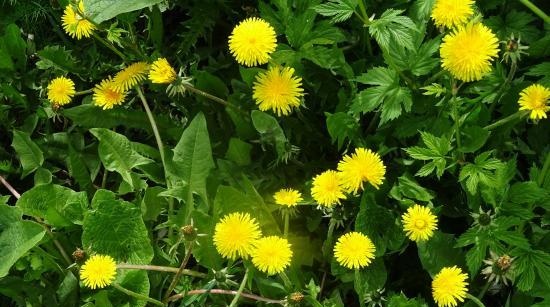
point(420, 224)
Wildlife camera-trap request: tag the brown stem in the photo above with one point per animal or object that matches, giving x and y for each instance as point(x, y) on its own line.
point(177, 277)
point(10, 188)
point(226, 292)
point(126, 266)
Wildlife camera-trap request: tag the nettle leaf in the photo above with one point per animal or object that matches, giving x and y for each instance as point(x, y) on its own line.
point(421, 9)
point(481, 171)
point(530, 264)
point(387, 96)
point(29, 153)
point(117, 154)
point(116, 228)
point(101, 10)
point(57, 205)
point(516, 23)
point(338, 10)
point(419, 60)
point(436, 150)
point(193, 161)
point(392, 26)
point(17, 236)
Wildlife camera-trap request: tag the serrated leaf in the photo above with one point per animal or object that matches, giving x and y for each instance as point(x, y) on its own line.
point(56, 57)
point(338, 10)
point(392, 26)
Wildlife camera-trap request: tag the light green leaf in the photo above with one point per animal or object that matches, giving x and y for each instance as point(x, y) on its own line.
point(29, 153)
point(392, 26)
point(101, 10)
point(16, 237)
point(136, 281)
point(56, 57)
point(338, 10)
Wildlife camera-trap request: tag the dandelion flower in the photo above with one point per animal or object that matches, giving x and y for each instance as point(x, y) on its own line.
point(61, 91)
point(235, 234)
point(98, 271)
point(327, 189)
point(130, 76)
point(287, 197)
point(74, 24)
point(271, 255)
point(354, 250)
point(452, 13)
point(449, 286)
point(278, 90)
point(362, 165)
point(252, 41)
point(535, 99)
point(419, 223)
point(162, 72)
point(467, 52)
point(106, 96)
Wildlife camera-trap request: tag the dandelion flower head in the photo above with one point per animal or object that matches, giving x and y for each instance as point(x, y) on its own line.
point(467, 52)
point(535, 98)
point(452, 13)
point(278, 90)
point(354, 250)
point(106, 95)
point(271, 255)
point(130, 76)
point(235, 235)
point(362, 165)
point(98, 271)
point(162, 72)
point(252, 41)
point(287, 197)
point(449, 286)
point(61, 91)
point(327, 190)
point(419, 223)
point(74, 24)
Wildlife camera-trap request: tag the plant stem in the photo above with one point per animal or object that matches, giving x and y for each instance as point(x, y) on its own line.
point(435, 77)
point(84, 92)
point(287, 223)
point(286, 280)
point(456, 116)
point(158, 268)
point(328, 242)
point(104, 179)
point(505, 120)
point(484, 290)
point(240, 291)
point(359, 287)
point(138, 295)
point(475, 300)
point(536, 10)
point(544, 171)
point(223, 102)
point(110, 46)
point(9, 187)
point(500, 93)
point(363, 11)
point(177, 277)
point(226, 292)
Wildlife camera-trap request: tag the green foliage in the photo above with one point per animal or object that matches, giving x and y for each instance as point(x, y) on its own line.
point(338, 10)
point(436, 151)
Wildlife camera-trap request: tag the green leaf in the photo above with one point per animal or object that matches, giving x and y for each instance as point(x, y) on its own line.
point(193, 159)
point(270, 131)
point(205, 252)
point(136, 281)
point(102, 10)
point(436, 150)
point(342, 126)
point(16, 237)
point(407, 187)
point(15, 45)
point(116, 228)
point(481, 171)
point(56, 57)
point(239, 152)
point(392, 26)
point(57, 205)
point(402, 301)
point(29, 153)
point(439, 252)
point(474, 138)
point(338, 10)
point(526, 193)
point(116, 153)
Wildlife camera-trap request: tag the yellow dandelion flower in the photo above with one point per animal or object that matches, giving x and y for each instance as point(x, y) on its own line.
point(452, 13)
point(252, 41)
point(235, 235)
point(162, 72)
point(327, 189)
point(535, 98)
point(74, 24)
point(449, 286)
point(287, 197)
point(271, 255)
point(61, 91)
point(98, 271)
point(278, 90)
point(106, 96)
point(354, 250)
point(419, 223)
point(467, 52)
point(362, 165)
point(130, 76)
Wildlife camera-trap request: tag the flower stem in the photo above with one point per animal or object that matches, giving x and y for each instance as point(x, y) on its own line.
point(226, 292)
point(84, 92)
point(359, 287)
point(505, 120)
point(328, 241)
point(475, 300)
point(286, 280)
point(536, 10)
point(484, 290)
point(544, 171)
point(287, 223)
point(138, 295)
point(177, 277)
point(223, 102)
point(158, 268)
point(363, 11)
point(110, 46)
point(240, 291)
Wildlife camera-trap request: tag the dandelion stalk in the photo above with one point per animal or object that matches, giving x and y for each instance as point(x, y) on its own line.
point(240, 291)
point(177, 277)
point(85, 92)
point(138, 295)
point(359, 287)
point(475, 300)
point(226, 292)
point(287, 223)
point(158, 268)
point(535, 9)
point(328, 242)
point(223, 102)
point(505, 120)
point(110, 46)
